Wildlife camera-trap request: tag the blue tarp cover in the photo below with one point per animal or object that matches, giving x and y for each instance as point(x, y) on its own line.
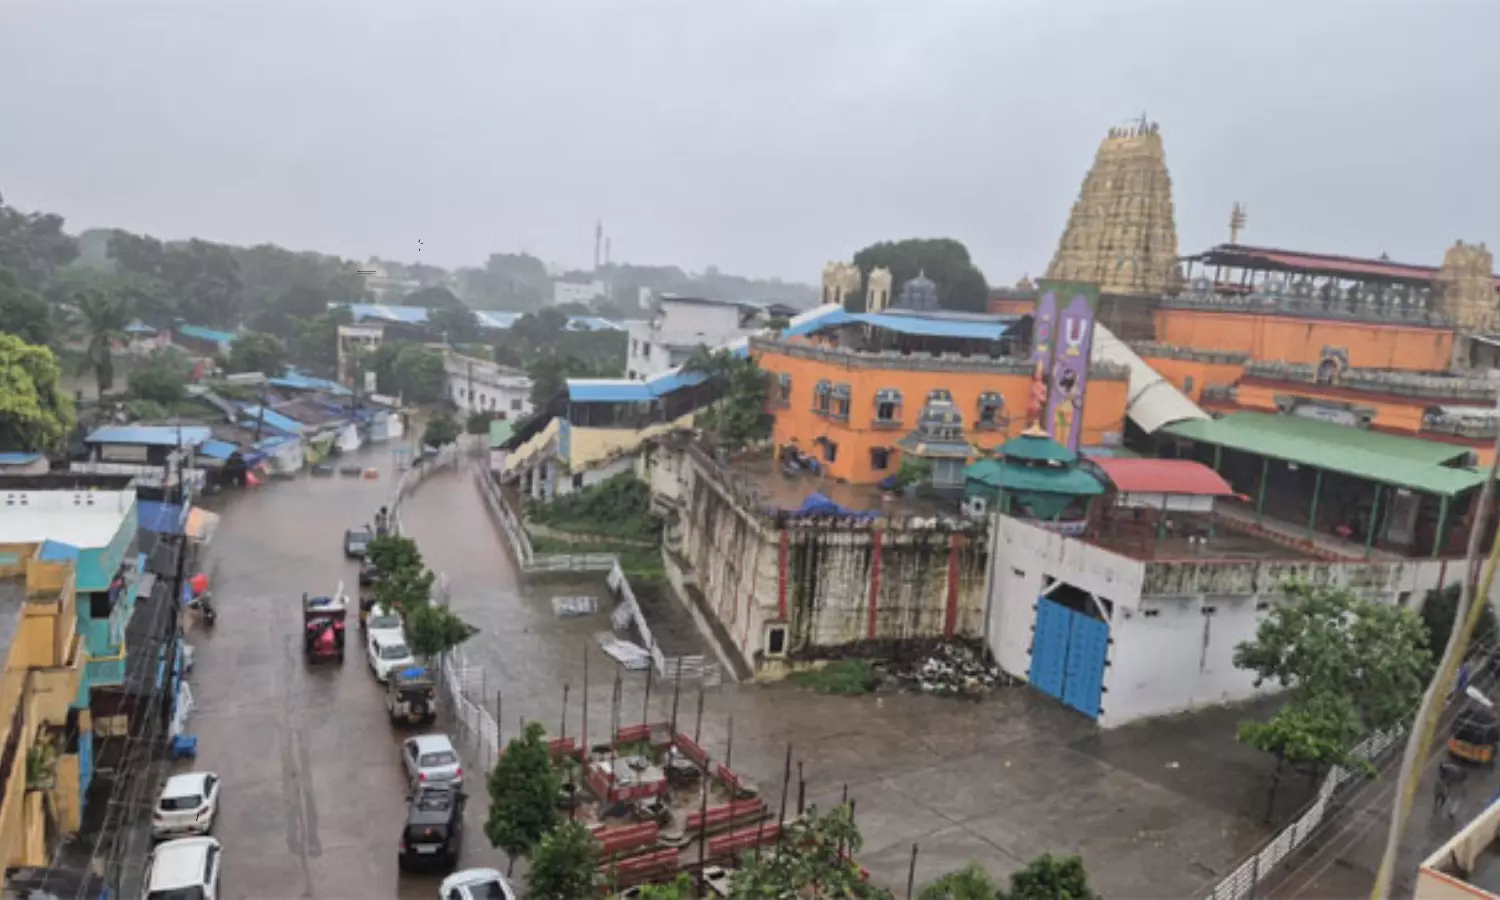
point(818, 505)
point(159, 517)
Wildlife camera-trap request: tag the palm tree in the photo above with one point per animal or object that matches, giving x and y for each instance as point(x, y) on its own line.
point(104, 319)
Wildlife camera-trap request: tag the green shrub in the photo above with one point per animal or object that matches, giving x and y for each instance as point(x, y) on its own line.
point(845, 676)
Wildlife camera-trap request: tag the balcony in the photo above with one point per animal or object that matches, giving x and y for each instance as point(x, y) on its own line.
point(107, 672)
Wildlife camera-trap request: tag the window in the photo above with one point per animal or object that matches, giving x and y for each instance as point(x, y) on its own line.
point(645, 350)
point(784, 388)
point(880, 458)
point(830, 451)
point(515, 405)
point(839, 401)
point(821, 397)
point(776, 640)
point(1187, 385)
point(947, 472)
point(578, 482)
point(630, 373)
point(991, 411)
point(939, 395)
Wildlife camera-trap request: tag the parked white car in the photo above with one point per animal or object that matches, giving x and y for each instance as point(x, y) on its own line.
point(385, 625)
point(431, 759)
point(387, 653)
point(188, 805)
point(476, 884)
point(184, 869)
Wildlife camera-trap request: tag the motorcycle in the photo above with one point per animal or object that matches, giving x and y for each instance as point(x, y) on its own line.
point(204, 605)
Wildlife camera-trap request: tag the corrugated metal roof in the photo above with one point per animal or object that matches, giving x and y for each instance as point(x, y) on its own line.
point(1164, 476)
point(297, 381)
point(1403, 462)
point(216, 449)
point(1043, 479)
point(18, 459)
point(271, 419)
point(151, 435)
point(417, 315)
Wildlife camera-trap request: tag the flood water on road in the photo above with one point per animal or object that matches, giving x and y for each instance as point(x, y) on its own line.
point(314, 797)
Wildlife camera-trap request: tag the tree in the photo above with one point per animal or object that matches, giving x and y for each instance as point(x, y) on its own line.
point(1050, 877)
point(33, 245)
point(478, 422)
point(205, 278)
point(1438, 610)
point(23, 313)
point(815, 855)
point(739, 416)
point(35, 414)
point(432, 631)
point(969, 883)
point(258, 352)
point(405, 590)
point(104, 319)
point(441, 430)
point(1350, 666)
point(523, 790)
point(432, 298)
point(960, 284)
point(454, 324)
point(420, 374)
point(679, 889)
point(391, 554)
point(314, 345)
point(158, 384)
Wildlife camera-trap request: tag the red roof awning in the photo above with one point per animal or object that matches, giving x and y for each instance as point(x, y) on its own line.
point(1351, 267)
point(1163, 476)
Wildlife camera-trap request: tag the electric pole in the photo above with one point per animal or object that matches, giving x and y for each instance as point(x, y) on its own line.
point(168, 707)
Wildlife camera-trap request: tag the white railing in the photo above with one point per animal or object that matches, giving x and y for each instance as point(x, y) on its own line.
point(463, 687)
point(447, 458)
point(691, 667)
point(1243, 880)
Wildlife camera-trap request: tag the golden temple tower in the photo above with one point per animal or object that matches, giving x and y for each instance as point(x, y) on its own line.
point(1466, 288)
point(1122, 232)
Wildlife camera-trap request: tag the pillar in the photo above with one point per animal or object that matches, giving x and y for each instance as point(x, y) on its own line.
point(1312, 515)
point(1442, 526)
point(1260, 500)
point(1374, 520)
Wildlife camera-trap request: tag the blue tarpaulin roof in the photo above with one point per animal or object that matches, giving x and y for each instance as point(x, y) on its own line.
point(151, 435)
point(988, 328)
point(608, 390)
point(819, 505)
point(215, 449)
point(159, 517)
point(18, 459)
point(57, 551)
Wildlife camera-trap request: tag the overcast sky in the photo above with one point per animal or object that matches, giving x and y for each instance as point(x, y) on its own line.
point(764, 136)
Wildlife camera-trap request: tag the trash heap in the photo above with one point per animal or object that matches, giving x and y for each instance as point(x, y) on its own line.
point(948, 670)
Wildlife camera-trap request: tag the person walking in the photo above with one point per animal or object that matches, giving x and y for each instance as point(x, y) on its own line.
point(1449, 790)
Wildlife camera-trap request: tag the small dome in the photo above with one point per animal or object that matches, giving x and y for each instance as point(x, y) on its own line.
point(919, 293)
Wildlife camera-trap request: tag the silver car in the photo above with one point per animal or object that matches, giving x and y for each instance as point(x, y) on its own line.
point(431, 759)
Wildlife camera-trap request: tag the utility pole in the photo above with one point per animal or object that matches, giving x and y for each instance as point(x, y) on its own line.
point(473, 404)
point(169, 706)
point(260, 416)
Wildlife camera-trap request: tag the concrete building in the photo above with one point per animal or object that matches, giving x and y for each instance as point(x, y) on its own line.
point(1468, 865)
point(678, 326)
point(356, 340)
point(90, 522)
point(155, 456)
point(479, 385)
point(43, 706)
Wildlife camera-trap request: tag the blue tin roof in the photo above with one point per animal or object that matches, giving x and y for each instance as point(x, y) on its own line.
point(159, 517)
point(298, 382)
point(988, 328)
point(18, 459)
point(150, 435)
point(215, 449)
point(608, 390)
point(57, 551)
point(417, 315)
point(223, 338)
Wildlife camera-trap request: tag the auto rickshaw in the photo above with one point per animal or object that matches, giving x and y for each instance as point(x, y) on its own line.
point(1476, 733)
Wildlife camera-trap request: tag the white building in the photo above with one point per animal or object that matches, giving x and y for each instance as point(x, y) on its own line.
point(678, 325)
point(356, 338)
point(478, 385)
point(564, 291)
point(1119, 638)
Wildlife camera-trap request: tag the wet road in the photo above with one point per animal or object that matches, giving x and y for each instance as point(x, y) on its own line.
point(314, 798)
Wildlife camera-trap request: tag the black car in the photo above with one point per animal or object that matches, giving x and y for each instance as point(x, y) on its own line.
point(369, 574)
point(434, 831)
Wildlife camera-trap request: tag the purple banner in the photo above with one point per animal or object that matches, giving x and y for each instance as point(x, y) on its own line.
point(1071, 339)
point(1043, 321)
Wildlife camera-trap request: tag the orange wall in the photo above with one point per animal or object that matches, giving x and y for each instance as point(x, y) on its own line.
point(1289, 339)
point(1104, 410)
point(1178, 371)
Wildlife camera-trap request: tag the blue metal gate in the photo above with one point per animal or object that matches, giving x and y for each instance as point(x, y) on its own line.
point(1068, 652)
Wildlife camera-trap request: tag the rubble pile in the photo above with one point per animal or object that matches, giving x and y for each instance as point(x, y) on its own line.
point(950, 670)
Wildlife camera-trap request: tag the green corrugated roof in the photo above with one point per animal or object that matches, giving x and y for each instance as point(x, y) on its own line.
point(500, 431)
point(1404, 462)
point(1037, 447)
point(1042, 479)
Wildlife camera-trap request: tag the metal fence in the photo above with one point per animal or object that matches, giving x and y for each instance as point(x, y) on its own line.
point(1261, 865)
point(693, 666)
